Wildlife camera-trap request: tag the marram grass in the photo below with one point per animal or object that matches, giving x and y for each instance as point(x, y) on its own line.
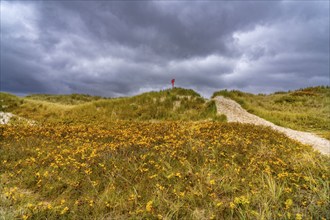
point(305, 109)
point(171, 104)
point(163, 170)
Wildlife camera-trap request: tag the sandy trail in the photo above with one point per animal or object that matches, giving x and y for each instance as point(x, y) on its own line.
point(235, 113)
point(5, 117)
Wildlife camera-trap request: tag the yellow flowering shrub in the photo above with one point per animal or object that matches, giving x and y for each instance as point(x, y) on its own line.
point(176, 170)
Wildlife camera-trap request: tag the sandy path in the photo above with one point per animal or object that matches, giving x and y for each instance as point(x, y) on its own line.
point(235, 113)
point(5, 117)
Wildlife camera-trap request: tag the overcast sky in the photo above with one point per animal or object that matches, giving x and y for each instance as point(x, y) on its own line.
point(121, 48)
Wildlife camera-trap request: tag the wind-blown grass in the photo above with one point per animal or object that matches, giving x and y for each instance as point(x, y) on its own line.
point(305, 109)
point(9, 102)
point(72, 99)
point(157, 155)
point(165, 170)
point(171, 104)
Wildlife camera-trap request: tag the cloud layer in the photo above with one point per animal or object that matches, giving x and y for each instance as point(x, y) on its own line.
point(124, 48)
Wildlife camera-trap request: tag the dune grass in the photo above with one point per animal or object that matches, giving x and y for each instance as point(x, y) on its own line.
point(9, 102)
point(163, 170)
point(158, 155)
point(71, 99)
point(172, 104)
point(177, 104)
point(306, 109)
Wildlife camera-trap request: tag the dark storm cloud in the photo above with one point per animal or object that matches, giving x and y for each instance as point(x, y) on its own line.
point(171, 29)
point(114, 48)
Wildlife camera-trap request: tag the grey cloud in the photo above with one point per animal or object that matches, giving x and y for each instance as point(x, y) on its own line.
point(180, 33)
point(19, 82)
point(121, 48)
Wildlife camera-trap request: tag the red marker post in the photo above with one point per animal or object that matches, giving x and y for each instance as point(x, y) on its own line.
point(173, 81)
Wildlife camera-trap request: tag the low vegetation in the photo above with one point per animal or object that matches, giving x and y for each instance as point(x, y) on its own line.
point(172, 104)
point(158, 155)
point(305, 109)
point(163, 170)
point(72, 99)
point(9, 102)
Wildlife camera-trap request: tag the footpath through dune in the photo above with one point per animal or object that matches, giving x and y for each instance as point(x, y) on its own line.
point(235, 113)
point(5, 117)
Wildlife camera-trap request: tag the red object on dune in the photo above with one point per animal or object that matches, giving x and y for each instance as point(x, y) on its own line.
point(173, 81)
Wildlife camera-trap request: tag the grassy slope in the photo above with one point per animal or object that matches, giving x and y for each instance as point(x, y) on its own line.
point(72, 99)
point(305, 109)
point(141, 170)
point(176, 104)
point(165, 170)
point(9, 102)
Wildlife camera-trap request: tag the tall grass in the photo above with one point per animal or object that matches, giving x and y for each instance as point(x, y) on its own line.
point(171, 104)
point(9, 102)
point(158, 155)
point(305, 109)
point(72, 99)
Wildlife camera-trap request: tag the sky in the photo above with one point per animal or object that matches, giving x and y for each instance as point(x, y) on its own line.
point(124, 48)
